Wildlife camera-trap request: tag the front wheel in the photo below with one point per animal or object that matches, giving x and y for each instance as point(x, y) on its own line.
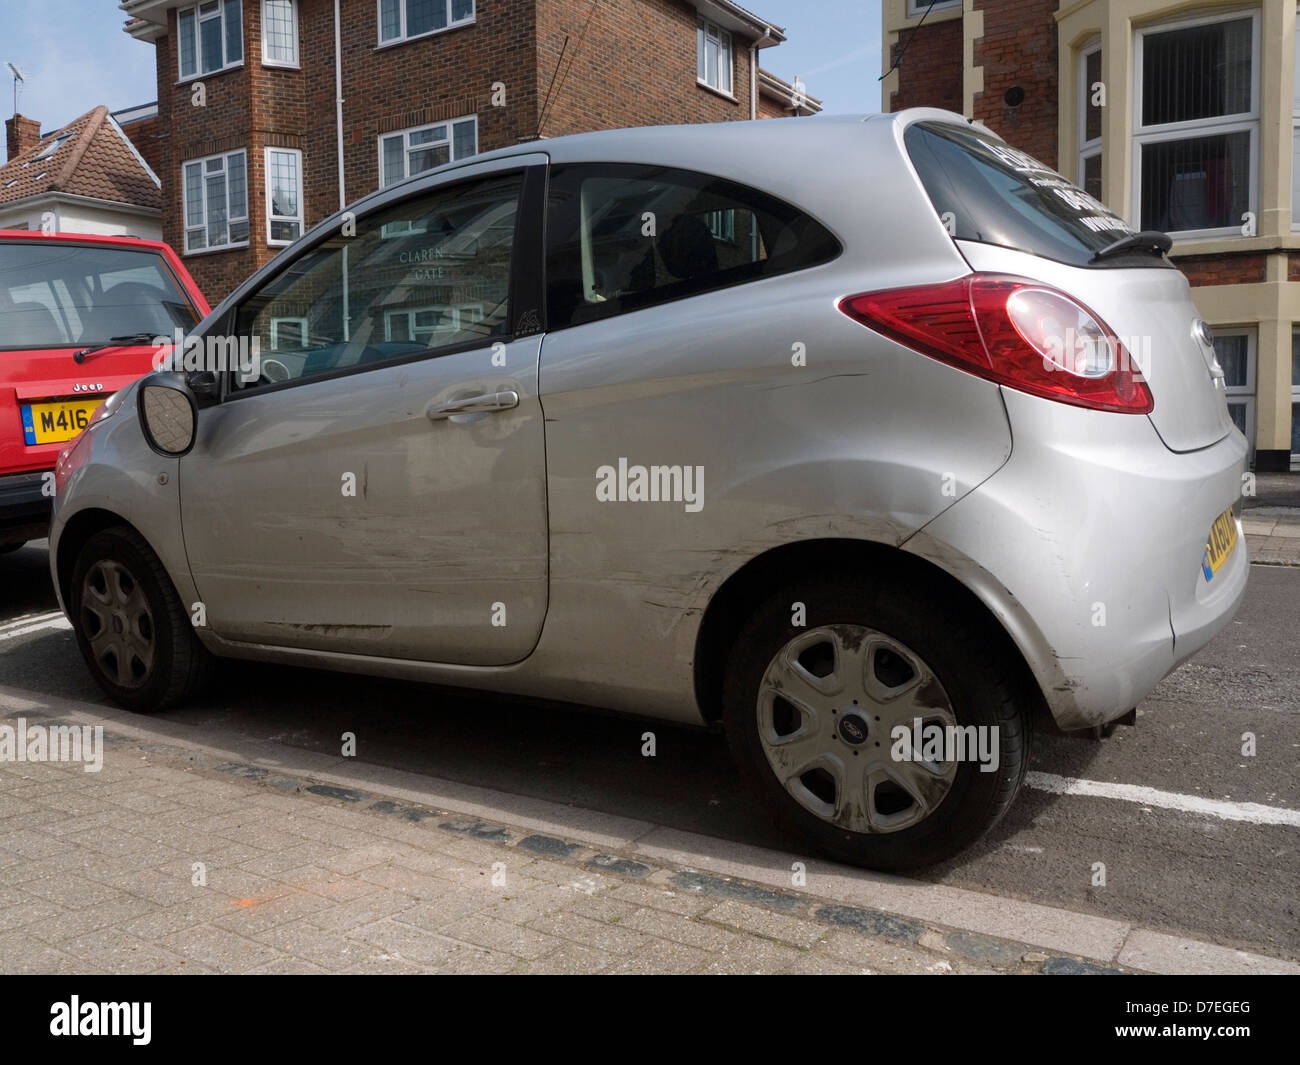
point(131, 627)
point(873, 721)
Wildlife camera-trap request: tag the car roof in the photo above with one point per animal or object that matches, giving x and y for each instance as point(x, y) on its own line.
point(779, 154)
point(29, 235)
point(820, 163)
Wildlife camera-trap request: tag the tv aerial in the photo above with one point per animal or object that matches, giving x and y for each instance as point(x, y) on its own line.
point(19, 79)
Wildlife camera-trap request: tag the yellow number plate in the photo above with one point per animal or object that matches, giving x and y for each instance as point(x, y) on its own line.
point(1223, 538)
point(52, 423)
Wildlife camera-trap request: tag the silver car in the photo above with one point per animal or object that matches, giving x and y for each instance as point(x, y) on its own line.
point(866, 439)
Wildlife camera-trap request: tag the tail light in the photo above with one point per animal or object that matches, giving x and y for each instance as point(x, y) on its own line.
point(1014, 331)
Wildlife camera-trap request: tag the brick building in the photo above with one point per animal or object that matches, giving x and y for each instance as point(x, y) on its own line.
point(1181, 116)
point(264, 128)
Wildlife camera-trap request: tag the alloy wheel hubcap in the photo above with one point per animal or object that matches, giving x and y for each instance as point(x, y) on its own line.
point(828, 705)
point(118, 624)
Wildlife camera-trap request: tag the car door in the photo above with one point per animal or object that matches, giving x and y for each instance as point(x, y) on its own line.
point(380, 487)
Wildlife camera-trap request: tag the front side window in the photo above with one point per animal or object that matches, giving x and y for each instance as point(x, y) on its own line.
point(54, 295)
point(1197, 126)
point(403, 19)
point(209, 37)
point(622, 237)
point(280, 33)
point(215, 191)
point(408, 152)
point(283, 195)
point(430, 273)
point(713, 56)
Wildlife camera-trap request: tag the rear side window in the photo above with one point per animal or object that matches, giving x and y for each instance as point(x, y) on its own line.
point(991, 193)
point(54, 295)
point(622, 237)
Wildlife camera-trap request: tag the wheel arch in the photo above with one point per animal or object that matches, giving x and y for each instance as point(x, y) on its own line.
point(749, 585)
point(72, 538)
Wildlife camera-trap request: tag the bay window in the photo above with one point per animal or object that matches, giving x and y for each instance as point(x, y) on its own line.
point(209, 38)
point(215, 194)
point(1197, 125)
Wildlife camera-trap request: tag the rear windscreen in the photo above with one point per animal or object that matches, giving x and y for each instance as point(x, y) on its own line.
point(987, 191)
point(56, 295)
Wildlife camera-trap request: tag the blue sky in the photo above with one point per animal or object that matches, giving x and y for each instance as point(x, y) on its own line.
point(833, 45)
point(76, 56)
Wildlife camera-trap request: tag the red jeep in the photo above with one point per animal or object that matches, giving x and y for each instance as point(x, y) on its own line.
point(78, 314)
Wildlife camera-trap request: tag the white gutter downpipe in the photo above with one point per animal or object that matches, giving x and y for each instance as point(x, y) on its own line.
point(338, 127)
point(338, 101)
point(753, 72)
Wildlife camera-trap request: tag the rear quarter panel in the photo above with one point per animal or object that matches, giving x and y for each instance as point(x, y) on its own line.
point(866, 441)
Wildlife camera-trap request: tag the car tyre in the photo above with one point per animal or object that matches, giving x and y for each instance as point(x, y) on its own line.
point(816, 758)
point(130, 624)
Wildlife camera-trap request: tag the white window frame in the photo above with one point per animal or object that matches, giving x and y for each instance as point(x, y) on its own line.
point(1295, 401)
point(226, 63)
point(385, 42)
point(267, 61)
point(1087, 148)
point(300, 322)
point(722, 224)
point(1244, 395)
point(455, 311)
point(705, 31)
point(185, 202)
point(270, 217)
point(1245, 122)
point(407, 149)
point(1295, 134)
point(917, 8)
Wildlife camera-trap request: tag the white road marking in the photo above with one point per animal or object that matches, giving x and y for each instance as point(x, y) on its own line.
point(56, 621)
point(30, 619)
point(1251, 812)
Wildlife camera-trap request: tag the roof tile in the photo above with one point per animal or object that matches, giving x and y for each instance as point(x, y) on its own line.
point(95, 160)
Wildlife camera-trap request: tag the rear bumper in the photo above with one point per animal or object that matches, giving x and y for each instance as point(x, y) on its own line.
point(1087, 545)
point(24, 506)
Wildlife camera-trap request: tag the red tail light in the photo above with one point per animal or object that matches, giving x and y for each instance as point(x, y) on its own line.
point(1014, 331)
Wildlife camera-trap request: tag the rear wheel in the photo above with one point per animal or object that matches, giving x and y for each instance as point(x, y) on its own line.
point(131, 626)
point(854, 727)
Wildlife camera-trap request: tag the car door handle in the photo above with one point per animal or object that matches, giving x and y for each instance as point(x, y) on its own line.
point(484, 404)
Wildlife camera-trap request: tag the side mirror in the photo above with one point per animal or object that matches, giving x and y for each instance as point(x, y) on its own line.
point(168, 413)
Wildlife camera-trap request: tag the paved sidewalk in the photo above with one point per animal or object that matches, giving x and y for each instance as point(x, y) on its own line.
point(179, 858)
point(1272, 535)
point(1271, 519)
